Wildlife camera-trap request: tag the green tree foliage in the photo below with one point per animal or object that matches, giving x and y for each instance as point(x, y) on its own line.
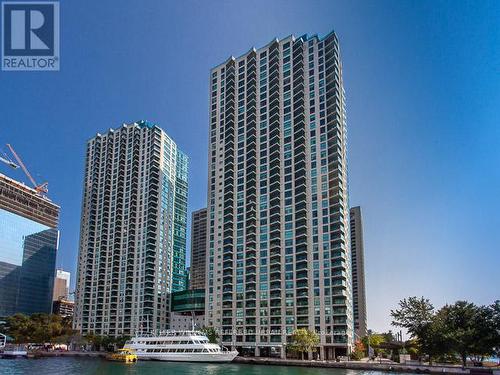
point(417, 315)
point(414, 314)
point(107, 343)
point(495, 321)
point(37, 328)
point(470, 330)
point(375, 341)
point(303, 341)
point(44, 328)
point(211, 334)
point(411, 347)
point(120, 341)
point(359, 351)
point(462, 329)
point(94, 340)
point(432, 340)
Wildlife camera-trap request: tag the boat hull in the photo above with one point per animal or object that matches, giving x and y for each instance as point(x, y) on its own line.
point(189, 357)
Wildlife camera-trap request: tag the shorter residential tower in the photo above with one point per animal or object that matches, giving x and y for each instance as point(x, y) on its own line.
point(358, 273)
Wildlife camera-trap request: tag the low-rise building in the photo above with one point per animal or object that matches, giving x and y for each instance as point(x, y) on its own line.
point(188, 310)
point(63, 307)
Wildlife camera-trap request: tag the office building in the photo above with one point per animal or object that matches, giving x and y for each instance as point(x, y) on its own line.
point(187, 276)
point(358, 273)
point(198, 249)
point(188, 310)
point(133, 231)
point(61, 285)
point(63, 308)
point(29, 240)
point(278, 212)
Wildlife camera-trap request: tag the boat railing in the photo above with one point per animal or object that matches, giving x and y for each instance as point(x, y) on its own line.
point(169, 334)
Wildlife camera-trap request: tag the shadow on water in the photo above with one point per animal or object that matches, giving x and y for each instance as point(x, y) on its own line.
point(94, 366)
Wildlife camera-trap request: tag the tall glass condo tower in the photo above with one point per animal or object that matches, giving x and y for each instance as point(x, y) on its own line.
point(279, 256)
point(133, 231)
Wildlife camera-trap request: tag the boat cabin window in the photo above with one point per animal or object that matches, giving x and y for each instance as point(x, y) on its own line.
point(173, 350)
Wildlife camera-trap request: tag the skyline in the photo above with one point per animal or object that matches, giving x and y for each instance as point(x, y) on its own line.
point(403, 208)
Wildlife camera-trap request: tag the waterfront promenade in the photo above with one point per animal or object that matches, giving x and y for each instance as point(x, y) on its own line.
point(347, 365)
point(373, 366)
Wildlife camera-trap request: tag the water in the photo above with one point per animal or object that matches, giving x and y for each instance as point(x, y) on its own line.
point(95, 366)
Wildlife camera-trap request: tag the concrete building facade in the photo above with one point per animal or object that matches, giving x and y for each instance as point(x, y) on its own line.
point(63, 308)
point(278, 241)
point(133, 231)
point(358, 273)
point(61, 285)
point(198, 249)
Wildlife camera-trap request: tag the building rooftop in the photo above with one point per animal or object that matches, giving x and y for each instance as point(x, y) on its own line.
point(22, 200)
point(291, 38)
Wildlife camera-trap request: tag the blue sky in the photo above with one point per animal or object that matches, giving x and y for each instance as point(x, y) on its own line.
point(422, 80)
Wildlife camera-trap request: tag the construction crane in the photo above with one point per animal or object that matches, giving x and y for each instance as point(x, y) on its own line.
point(6, 160)
point(42, 189)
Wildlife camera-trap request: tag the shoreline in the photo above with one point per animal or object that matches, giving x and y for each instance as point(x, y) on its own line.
point(371, 366)
point(42, 354)
point(350, 365)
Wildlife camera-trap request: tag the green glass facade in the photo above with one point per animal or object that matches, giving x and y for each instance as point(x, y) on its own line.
point(180, 223)
point(188, 300)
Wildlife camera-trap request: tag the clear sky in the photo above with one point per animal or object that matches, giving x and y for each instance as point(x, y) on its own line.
point(422, 80)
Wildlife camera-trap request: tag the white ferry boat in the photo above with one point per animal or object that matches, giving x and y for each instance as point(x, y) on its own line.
point(179, 346)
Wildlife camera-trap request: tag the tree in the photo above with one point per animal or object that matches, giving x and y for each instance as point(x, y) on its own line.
point(77, 341)
point(432, 340)
point(211, 334)
point(418, 317)
point(375, 342)
point(461, 329)
point(412, 348)
point(303, 341)
point(495, 322)
point(375, 339)
point(359, 351)
point(94, 340)
point(120, 341)
point(18, 327)
point(470, 329)
point(37, 328)
point(107, 343)
point(414, 314)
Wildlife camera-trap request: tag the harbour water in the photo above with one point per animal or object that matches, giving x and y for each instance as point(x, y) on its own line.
point(96, 366)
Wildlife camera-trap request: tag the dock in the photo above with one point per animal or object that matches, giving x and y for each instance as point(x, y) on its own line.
point(372, 366)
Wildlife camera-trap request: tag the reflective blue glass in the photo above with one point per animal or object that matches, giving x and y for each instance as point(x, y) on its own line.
point(27, 265)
